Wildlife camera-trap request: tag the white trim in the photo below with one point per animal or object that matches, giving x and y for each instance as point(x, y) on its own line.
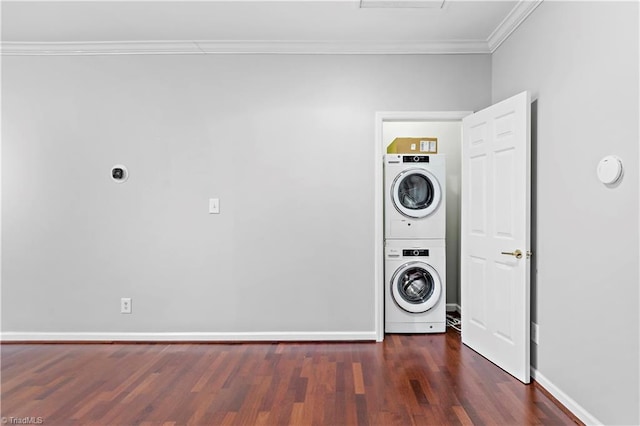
point(565, 399)
point(638, 99)
point(378, 185)
point(399, 4)
point(100, 48)
point(216, 47)
point(420, 116)
point(17, 336)
point(507, 26)
point(344, 47)
point(209, 1)
point(1, 180)
point(453, 307)
point(378, 231)
point(517, 16)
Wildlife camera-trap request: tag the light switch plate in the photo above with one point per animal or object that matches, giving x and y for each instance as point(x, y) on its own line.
point(214, 205)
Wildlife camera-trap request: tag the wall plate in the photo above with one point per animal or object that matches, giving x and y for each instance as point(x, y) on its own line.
point(610, 170)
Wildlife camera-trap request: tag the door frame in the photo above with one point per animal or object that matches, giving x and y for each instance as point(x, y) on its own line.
point(378, 222)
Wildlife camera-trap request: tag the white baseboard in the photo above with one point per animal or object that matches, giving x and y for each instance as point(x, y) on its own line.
point(453, 307)
point(565, 399)
point(188, 337)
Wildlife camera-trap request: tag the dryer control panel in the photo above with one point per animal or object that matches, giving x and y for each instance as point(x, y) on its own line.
point(415, 158)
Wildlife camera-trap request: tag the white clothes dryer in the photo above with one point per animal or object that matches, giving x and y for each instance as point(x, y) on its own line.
point(415, 196)
point(415, 286)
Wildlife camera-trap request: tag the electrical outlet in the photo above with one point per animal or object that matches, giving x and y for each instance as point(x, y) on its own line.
point(534, 333)
point(125, 305)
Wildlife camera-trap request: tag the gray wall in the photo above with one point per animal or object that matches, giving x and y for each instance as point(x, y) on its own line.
point(580, 60)
point(287, 144)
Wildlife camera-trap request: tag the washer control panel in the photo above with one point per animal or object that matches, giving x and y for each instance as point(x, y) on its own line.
point(395, 253)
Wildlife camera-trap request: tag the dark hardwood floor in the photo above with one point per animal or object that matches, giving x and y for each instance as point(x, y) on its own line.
point(408, 379)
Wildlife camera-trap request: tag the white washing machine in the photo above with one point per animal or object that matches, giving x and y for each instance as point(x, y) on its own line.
point(415, 196)
point(415, 286)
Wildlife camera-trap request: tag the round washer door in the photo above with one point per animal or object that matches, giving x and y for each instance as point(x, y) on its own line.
point(416, 193)
point(416, 287)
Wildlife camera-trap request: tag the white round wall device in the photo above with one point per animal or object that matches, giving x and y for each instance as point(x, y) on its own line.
point(610, 170)
point(119, 173)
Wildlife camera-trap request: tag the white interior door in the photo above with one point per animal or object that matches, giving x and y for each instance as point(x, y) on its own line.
point(496, 193)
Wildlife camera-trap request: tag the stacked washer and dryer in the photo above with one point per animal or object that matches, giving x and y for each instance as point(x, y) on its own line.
point(415, 263)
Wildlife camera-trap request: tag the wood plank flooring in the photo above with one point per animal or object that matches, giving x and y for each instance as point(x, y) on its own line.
point(407, 380)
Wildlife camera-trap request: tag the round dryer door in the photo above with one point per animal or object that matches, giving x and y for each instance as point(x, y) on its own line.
point(416, 193)
point(416, 287)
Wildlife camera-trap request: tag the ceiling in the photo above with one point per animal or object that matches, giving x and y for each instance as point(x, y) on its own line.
point(304, 26)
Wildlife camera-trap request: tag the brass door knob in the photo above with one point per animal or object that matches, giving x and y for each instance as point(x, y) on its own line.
point(517, 253)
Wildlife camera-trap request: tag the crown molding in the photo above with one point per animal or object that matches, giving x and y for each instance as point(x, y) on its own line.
point(342, 47)
point(100, 48)
point(518, 14)
point(216, 47)
point(331, 47)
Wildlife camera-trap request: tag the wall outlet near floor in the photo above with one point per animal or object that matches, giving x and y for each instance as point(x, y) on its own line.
point(534, 332)
point(125, 305)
